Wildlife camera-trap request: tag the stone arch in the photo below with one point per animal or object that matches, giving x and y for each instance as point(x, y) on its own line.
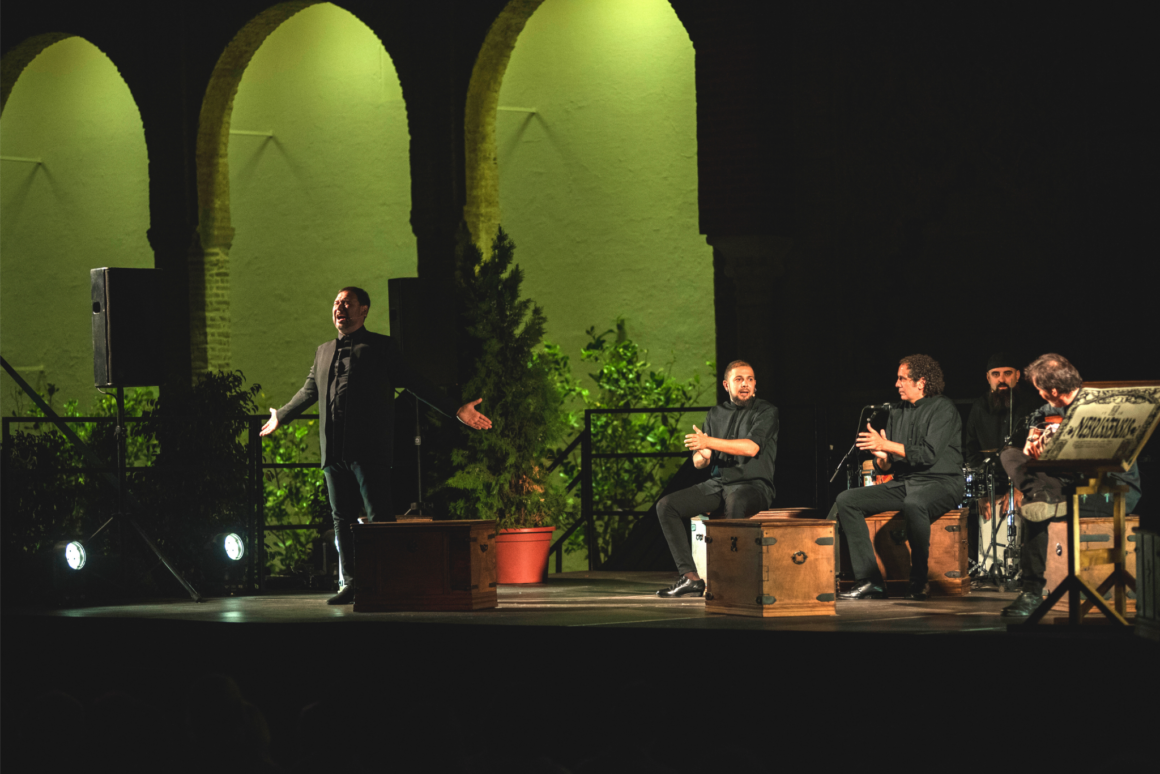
point(589, 146)
point(481, 211)
point(76, 195)
point(211, 266)
point(209, 271)
point(14, 62)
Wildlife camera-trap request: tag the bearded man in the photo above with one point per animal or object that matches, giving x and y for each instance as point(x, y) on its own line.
point(739, 445)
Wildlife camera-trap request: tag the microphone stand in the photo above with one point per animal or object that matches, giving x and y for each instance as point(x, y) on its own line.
point(875, 411)
point(852, 448)
point(416, 508)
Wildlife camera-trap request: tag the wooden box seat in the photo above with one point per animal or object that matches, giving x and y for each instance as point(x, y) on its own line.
point(434, 565)
point(948, 569)
point(770, 567)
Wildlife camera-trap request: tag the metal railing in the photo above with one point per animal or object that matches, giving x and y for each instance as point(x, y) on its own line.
point(255, 522)
point(588, 513)
point(256, 527)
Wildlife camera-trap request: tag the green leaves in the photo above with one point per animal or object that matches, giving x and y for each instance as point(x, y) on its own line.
point(624, 379)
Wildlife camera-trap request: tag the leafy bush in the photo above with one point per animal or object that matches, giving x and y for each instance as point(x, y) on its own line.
point(188, 481)
point(293, 496)
point(624, 379)
point(51, 492)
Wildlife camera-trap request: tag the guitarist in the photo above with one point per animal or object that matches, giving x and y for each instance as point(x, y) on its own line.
point(1058, 383)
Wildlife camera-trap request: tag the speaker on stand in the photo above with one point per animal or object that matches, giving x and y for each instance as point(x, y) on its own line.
point(128, 351)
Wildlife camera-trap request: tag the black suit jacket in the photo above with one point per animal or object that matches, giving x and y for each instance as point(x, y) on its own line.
point(376, 369)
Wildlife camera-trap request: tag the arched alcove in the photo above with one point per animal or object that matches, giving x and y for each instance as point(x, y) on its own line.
point(588, 146)
point(74, 195)
point(310, 191)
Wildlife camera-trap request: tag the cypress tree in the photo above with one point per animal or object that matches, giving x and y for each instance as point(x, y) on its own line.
point(500, 473)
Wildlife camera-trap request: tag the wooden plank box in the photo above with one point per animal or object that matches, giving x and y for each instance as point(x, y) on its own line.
point(948, 573)
point(1094, 533)
point(440, 565)
point(769, 568)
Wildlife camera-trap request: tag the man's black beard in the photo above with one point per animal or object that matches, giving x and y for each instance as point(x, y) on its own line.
point(999, 400)
point(736, 401)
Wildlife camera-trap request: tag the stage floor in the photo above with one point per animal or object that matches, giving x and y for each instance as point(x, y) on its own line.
point(582, 599)
point(599, 663)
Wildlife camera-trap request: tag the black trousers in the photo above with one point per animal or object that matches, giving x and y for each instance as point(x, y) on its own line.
point(740, 501)
point(354, 487)
point(918, 504)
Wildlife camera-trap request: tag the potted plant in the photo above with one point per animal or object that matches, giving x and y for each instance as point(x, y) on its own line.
point(500, 472)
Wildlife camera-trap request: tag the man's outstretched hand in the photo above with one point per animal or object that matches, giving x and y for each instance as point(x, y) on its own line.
point(469, 416)
point(270, 425)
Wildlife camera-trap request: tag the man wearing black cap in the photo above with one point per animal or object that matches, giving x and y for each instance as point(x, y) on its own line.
point(997, 414)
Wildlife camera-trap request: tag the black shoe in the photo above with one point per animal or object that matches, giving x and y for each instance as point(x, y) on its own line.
point(865, 590)
point(684, 586)
point(1026, 604)
point(917, 591)
point(345, 596)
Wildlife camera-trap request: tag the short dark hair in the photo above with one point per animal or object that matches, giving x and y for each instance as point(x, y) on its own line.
point(925, 367)
point(364, 298)
point(1054, 372)
point(734, 364)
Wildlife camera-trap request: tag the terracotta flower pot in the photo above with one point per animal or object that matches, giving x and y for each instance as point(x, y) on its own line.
point(521, 555)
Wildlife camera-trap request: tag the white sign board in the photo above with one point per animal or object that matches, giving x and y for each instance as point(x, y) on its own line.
point(1106, 424)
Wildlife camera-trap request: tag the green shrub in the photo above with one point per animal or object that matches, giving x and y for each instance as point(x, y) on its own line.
point(624, 379)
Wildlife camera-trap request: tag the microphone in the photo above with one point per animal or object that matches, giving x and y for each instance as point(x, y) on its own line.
point(879, 409)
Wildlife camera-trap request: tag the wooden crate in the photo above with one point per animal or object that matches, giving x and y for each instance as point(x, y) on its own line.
point(948, 573)
point(1094, 533)
point(440, 565)
point(770, 568)
point(790, 513)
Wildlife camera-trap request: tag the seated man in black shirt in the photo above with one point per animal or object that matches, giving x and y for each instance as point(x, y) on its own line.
point(739, 442)
point(999, 413)
point(1058, 382)
point(995, 416)
point(921, 448)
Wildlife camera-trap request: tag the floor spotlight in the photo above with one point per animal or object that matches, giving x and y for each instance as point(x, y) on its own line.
point(231, 544)
point(70, 554)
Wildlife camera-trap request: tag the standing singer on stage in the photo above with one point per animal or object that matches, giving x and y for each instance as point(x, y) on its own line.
point(739, 445)
point(921, 448)
point(354, 378)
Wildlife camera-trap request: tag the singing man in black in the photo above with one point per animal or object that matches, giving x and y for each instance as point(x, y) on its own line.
point(921, 448)
point(739, 445)
point(354, 379)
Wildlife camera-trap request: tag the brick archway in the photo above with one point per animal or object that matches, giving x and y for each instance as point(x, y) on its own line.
point(209, 276)
point(481, 211)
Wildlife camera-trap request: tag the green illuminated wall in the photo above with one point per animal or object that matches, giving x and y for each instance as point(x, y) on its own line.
point(85, 206)
point(598, 188)
point(324, 203)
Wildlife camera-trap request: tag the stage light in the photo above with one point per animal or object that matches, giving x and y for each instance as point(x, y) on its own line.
point(232, 544)
point(71, 554)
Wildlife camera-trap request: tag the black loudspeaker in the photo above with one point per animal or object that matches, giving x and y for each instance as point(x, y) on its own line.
point(127, 327)
point(423, 327)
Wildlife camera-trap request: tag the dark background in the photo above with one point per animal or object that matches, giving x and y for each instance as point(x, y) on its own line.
point(876, 179)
